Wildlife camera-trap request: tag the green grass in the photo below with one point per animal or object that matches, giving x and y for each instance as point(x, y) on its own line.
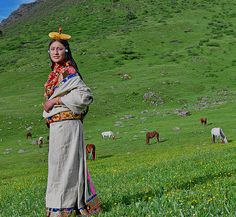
point(183, 51)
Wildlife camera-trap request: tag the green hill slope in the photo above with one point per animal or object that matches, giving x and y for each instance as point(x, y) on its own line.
point(178, 55)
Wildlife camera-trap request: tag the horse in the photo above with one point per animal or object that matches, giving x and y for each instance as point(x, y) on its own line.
point(90, 152)
point(152, 134)
point(203, 121)
point(28, 135)
point(108, 134)
point(40, 142)
point(218, 133)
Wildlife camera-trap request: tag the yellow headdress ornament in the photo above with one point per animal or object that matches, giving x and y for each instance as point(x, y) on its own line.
point(59, 35)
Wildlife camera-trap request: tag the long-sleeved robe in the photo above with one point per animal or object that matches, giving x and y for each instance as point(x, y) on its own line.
point(69, 184)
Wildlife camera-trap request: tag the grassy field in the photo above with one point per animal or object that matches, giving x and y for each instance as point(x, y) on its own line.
point(179, 53)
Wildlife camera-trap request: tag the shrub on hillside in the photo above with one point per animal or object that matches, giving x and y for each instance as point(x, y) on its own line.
point(131, 15)
point(213, 44)
point(203, 41)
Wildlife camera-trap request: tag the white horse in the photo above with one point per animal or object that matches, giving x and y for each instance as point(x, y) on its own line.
point(218, 133)
point(107, 134)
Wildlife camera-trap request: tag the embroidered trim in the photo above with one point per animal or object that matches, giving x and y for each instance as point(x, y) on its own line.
point(65, 80)
point(93, 205)
point(63, 212)
point(60, 209)
point(68, 115)
point(91, 198)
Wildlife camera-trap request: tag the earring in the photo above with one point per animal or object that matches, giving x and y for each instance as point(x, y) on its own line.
point(48, 51)
point(66, 50)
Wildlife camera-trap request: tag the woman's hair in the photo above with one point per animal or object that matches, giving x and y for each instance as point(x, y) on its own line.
point(68, 54)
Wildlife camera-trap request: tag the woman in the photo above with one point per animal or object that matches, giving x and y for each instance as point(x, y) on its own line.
point(70, 191)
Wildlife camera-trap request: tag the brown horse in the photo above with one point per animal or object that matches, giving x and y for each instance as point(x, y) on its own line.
point(203, 121)
point(152, 134)
point(90, 152)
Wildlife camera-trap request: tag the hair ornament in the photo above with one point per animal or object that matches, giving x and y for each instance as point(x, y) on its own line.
point(59, 35)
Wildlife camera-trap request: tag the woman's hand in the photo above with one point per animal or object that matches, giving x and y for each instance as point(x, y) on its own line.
point(50, 104)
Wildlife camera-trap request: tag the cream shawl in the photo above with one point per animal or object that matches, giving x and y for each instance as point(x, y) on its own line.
point(75, 96)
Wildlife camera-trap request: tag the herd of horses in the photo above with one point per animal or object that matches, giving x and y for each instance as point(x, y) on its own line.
point(216, 134)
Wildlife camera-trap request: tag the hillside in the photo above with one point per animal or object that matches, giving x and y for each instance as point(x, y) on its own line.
point(23, 10)
point(179, 57)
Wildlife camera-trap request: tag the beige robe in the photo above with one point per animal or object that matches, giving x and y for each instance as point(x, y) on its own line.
point(67, 173)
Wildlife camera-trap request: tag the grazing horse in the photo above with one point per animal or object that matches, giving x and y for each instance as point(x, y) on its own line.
point(152, 134)
point(203, 121)
point(108, 134)
point(40, 142)
point(28, 135)
point(218, 133)
point(90, 152)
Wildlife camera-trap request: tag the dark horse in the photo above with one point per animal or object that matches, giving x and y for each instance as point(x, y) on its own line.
point(90, 152)
point(28, 135)
point(150, 135)
point(203, 121)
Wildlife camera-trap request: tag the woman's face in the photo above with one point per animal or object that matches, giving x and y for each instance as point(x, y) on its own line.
point(57, 52)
